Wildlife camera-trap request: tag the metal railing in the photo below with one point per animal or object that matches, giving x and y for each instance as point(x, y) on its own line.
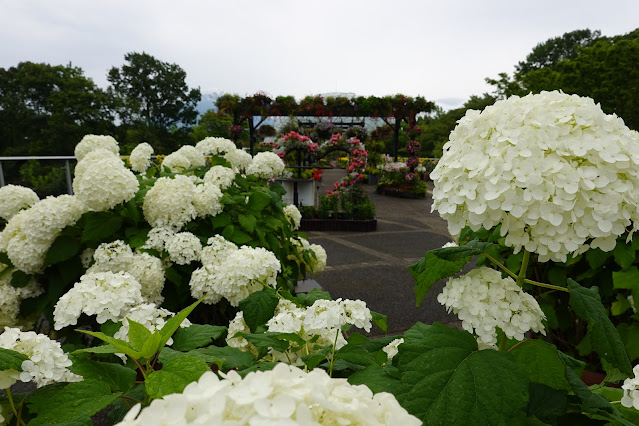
point(66, 160)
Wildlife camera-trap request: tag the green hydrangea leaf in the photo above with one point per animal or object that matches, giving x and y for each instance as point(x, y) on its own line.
point(248, 222)
point(445, 379)
point(11, 360)
point(542, 363)
point(64, 247)
point(98, 226)
point(121, 346)
point(174, 376)
point(375, 377)
point(604, 338)
point(196, 336)
point(118, 377)
point(174, 323)
point(75, 400)
point(259, 307)
point(442, 263)
point(312, 296)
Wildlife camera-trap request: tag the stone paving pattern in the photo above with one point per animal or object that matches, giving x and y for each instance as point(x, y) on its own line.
point(373, 266)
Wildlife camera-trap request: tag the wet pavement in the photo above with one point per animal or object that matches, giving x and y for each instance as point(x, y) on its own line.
point(373, 266)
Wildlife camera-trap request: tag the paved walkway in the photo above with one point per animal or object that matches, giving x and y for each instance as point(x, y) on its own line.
point(373, 266)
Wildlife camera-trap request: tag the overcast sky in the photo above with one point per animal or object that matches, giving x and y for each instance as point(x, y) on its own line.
point(442, 50)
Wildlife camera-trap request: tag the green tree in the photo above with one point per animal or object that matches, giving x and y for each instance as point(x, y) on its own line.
point(212, 123)
point(153, 101)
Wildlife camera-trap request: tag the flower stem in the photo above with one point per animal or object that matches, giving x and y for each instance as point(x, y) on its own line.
point(524, 267)
point(330, 369)
point(13, 407)
point(526, 280)
point(553, 287)
point(500, 265)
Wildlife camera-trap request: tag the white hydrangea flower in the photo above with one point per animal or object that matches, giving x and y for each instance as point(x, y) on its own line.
point(176, 162)
point(239, 273)
point(207, 199)
point(483, 301)
point(631, 390)
point(450, 244)
point(86, 257)
point(11, 297)
point(184, 248)
point(318, 263)
point(107, 295)
point(150, 316)
point(103, 182)
point(14, 198)
point(215, 146)
point(285, 395)
point(216, 250)
point(141, 157)
point(293, 216)
point(238, 325)
point(157, 238)
point(557, 173)
point(221, 176)
point(29, 234)
point(392, 348)
point(47, 361)
point(117, 256)
point(92, 142)
point(195, 157)
point(169, 203)
point(239, 160)
point(266, 165)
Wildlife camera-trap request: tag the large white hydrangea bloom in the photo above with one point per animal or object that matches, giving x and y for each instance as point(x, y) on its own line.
point(215, 146)
point(293, 216)
point(239, 160)
point(14, 198)
point(141, 157)
point(30, 233)
point(47, 361)
point(148, 270)
point(221, 176)
point(557, 173)
point(107, 295)
point(169, 203)
point(266, 165)
point(92, 142)
point(207, 200)
point(183, 248)
point(233, 273)
point(483, 300)
point(285, 395)
point(103, 181)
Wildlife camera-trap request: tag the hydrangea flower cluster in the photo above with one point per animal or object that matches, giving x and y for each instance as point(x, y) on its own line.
point(293, 216)
point(207, 199)
point(14, 198)
point(184, 158)
point(47, 361)
point(233, 273)
point(483, 301)
point(317, 262)
point(631, 390)
point(11, 297)
point(107, 295)
point(117, 256)
point(285, 395)
point(169, 203)
point(320, 323)
point(29, 234)
point(221, 176)
point(557, 173)
point(215, 146)
point(266, 165)
point(102, 181)
point(183, 248)
point(93, 142)
point(239, 160)
point(140, 157)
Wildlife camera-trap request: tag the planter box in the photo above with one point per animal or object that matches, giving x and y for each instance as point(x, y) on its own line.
point(391, 192)
point(338, 225)
point(301, 192)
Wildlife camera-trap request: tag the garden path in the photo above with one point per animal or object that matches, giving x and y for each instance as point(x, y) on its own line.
point(373, 266)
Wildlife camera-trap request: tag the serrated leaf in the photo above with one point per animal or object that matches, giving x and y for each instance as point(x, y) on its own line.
point(11, 360)
point(221, 220)
point(174, 376)
point(118, 377)
point(240, 237)
point(314, 359)
point(78, 399)
point(247, 222)
point(259, 307)
point(446, 380)
point(64, 247)
point(121, 345)
point(375, 377)
point(604, 337)
point(312, 296)
point(228, 231)
point(103, 349)
point(619, 306)
point(546, 403)
point(225, 357)
point(629, 334)
point(98, 226)
point(596, 258)
point(258, 201)
point(174, 276)
point(380, 321)
point(174, 322)
point(195, 336)
point(138, 334)
point(624, 254)
point(4, 258)
point(272, 340)
point(627, 279)
point(542, 363)
point(120, 408)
